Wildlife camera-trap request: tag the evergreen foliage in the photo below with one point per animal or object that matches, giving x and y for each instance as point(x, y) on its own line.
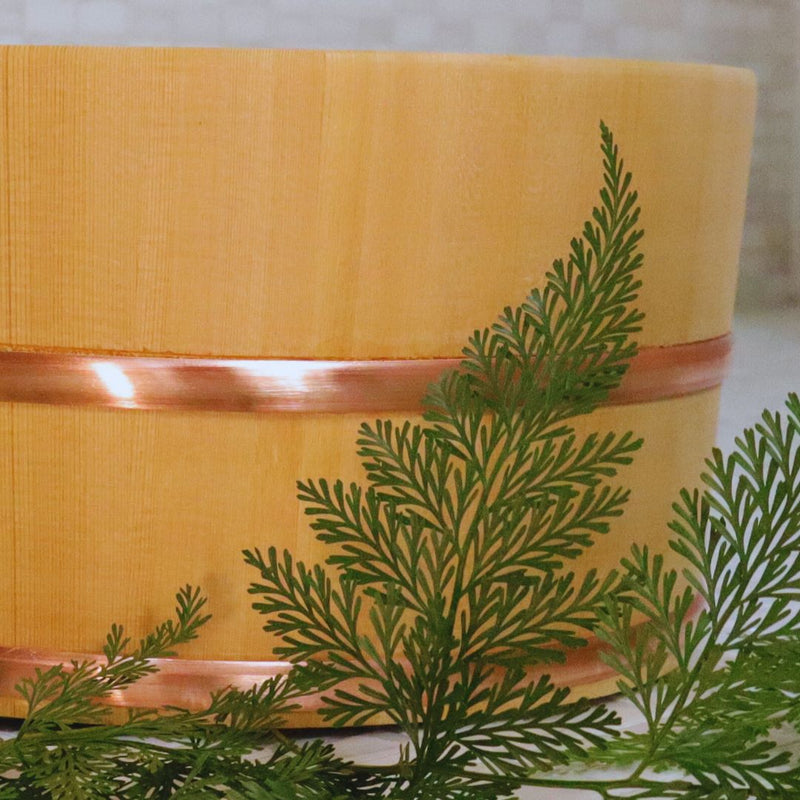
point(451, 577)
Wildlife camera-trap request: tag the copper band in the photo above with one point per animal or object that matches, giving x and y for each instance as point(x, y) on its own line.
point(280, 385)
point(188, 683)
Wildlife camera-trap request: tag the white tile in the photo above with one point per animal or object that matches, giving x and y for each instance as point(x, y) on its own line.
point(640, 41)
point(603, 11)
point(655, 14)
point(326, 8)
point(538, 10)
point(764, 16)
point(102, 16)
point(450, 9)
point(567, 9)
point(493, 33)
point(247, 24)
point(565, 38)
point(415, 31)
point(377, 32)
point(765, 368)
point(53, 18)
point(198, 22)
point(327, 32)
point(12, 15)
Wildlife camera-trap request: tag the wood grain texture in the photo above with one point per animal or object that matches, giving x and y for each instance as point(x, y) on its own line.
point(345, 205)
point(309, 205)
point(114, 511)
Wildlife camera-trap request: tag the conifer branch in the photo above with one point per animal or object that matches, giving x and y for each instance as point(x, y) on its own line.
point(450, 575)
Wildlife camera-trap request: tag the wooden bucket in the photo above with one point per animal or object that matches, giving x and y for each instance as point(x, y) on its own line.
point(341, 206)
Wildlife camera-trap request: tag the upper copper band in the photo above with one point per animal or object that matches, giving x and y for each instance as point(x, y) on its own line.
point(310, 386)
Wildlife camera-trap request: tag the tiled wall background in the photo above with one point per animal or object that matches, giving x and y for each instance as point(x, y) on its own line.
point(763, 35)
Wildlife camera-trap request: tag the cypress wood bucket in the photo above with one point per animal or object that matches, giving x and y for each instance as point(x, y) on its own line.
point(171, 205)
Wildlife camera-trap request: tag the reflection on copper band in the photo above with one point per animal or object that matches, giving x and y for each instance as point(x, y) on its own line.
point(311, 386)
point(184, 682)
point(188, 683)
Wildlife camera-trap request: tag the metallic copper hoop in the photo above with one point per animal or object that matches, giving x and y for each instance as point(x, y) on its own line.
point(188, 683)
point(181, 383)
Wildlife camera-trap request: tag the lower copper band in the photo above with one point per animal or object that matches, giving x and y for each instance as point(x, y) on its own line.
point(279, 385)
point(188, 683)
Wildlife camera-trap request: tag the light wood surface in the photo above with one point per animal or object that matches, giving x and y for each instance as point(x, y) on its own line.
point(345, 204)
point(310, 205)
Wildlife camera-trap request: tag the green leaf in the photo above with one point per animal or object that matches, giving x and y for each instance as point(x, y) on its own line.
point(449, 566)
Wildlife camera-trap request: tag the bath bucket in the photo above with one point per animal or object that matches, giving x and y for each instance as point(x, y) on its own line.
point(216, 263)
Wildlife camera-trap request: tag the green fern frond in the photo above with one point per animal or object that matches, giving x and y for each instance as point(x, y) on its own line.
point(450, 578)
point(448, 567)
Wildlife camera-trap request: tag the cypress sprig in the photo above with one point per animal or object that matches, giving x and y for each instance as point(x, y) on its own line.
point(452, 572)
point(450, 568)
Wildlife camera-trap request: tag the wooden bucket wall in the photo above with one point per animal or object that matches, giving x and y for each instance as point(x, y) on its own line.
point(309, 205)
